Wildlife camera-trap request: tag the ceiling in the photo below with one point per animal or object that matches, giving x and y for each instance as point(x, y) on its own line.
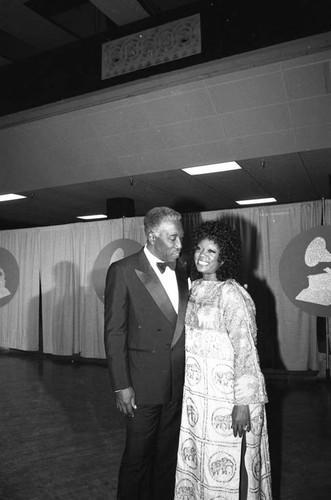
point(290, 171)
point(32, 27)
point(290, 178)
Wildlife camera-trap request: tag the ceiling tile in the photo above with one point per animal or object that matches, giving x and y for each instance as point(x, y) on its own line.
point(308, 81)
point(195, 191)
point(31, 28)
point(170, 91)
point(284, 177)
point(263, 145)
point(314, 137)
point(121, 11)
point(135, 164)
point(248, 93)
point(14, 49)
point(255, 121)
point(312, 111)
point(181, 134)
point(136, 142)
point(319, 51)
point(84, 21)
point(209, 153)
point(192, 132)
point(89, 153)
point(119, 120)
point(234, 185)
point(180, 107)
point(176, 158)
point(211, 128)
point(81, 129)
point(50, 133)
point(237, 75)
point(317, 163)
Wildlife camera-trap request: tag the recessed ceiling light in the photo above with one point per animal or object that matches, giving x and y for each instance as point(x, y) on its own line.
point(91, 217)
point(11, 196)
point(256, 202)
point(211, 169)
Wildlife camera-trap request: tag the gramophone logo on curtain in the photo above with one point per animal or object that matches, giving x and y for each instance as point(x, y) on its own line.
point(305, 271)
point(116, 250)
point(9, 276)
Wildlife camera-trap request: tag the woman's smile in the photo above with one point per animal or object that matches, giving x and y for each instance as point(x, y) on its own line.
point(206, 258)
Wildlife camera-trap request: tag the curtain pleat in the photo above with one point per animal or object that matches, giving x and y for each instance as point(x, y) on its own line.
point(19, 312)
point(60, 289)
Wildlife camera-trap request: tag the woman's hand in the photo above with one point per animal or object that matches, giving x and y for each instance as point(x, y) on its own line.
point(241, 420)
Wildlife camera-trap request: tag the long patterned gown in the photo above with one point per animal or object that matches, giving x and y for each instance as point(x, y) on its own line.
point(222, 370)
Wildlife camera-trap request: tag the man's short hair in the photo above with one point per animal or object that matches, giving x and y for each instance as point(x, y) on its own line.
point(154, 218)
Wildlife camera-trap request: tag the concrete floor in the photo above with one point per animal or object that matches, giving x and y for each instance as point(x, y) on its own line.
point(61, 436)
point(299, 418)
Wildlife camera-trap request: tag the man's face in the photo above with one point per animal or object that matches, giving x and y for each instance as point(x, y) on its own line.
point(166, 243)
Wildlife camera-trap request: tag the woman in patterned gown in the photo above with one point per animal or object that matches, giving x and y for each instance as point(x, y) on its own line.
point(223, 449)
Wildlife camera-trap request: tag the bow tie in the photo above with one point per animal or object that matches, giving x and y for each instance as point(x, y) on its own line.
point(162, 265)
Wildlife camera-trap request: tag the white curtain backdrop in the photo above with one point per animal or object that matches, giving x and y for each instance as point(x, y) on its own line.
point(57, 269)
point(286, 336)
point(72, 313)
point(19, 317)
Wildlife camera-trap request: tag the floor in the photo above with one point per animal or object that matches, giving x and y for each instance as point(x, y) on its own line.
point(61, 436)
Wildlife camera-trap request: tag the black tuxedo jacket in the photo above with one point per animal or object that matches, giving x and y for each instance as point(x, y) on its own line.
point(144, 337)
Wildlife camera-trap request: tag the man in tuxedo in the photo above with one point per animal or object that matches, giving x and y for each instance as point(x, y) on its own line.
point(145, 302)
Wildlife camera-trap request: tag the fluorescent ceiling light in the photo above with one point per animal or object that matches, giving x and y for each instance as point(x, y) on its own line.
point(11, 196)
point(256, 202)
point(91, 217)
point(211, 169)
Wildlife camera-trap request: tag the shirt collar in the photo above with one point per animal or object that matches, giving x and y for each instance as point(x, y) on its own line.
point(152, 259)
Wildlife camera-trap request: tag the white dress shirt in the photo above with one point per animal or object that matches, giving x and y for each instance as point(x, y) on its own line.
point(168, 278)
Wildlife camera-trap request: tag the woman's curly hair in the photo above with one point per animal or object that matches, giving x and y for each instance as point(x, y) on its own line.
point(228, 242)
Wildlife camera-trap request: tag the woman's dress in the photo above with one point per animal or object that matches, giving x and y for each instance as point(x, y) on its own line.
point(222, 370)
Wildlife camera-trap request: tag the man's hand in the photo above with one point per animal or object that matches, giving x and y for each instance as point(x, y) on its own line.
point(241, 420)
point(125, 401)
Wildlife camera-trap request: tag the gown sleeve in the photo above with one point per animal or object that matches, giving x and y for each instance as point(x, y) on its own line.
point(239, 318)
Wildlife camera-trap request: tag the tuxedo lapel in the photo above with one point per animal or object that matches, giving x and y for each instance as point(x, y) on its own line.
point(183, 298)
point(154, 286)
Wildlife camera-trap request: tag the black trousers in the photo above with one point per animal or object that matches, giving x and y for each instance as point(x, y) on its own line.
point(148, 466)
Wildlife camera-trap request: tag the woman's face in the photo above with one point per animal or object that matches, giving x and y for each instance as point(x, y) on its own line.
point(206, 258)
